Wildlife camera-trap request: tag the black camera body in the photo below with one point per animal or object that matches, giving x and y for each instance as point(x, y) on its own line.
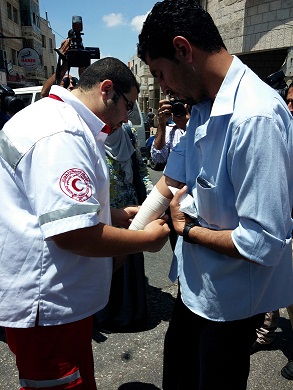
point(178, 107)
point(277, 81)
point(78, 55)
point(9, 102)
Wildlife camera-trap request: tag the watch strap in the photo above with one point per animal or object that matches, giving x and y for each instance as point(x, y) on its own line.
point(187, 227)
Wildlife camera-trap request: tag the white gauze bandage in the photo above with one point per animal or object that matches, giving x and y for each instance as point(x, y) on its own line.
point(152, 208)
point(187, 204)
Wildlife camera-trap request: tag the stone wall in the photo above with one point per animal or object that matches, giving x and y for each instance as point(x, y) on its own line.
point(260, 32)
point(253, 25)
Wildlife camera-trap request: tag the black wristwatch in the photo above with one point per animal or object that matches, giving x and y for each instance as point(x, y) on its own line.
point(187, 228)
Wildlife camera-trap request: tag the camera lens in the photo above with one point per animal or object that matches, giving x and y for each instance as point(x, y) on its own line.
point(178, 108)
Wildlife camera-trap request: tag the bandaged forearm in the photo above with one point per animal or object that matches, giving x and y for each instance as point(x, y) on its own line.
point(152, 208)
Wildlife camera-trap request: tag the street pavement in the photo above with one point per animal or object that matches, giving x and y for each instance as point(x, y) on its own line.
point(133, 361)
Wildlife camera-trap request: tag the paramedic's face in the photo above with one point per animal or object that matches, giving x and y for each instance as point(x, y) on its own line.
point(121, 108)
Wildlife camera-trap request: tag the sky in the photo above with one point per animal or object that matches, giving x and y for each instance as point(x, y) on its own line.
point(111, 25)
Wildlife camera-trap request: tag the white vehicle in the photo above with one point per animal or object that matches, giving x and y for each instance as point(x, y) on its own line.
point(28, 94)
point(32, 94)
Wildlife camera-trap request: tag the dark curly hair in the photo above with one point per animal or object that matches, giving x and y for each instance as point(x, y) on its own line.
point(170, 18)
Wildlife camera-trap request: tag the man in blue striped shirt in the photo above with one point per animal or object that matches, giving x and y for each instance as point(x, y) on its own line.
point(168, 134)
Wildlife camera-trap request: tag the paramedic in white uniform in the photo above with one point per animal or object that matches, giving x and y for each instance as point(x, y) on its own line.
point(56, 237)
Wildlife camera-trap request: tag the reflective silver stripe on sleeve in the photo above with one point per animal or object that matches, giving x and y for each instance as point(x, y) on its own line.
point(77, 209)
point(50, 382)
point(8, 151)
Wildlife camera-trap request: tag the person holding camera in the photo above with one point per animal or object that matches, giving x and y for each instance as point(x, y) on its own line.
point(67, 81)
point(56, 207)
point(233, 255)
point(168, 135)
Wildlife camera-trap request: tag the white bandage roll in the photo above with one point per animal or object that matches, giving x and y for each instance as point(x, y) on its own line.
point(152, 208)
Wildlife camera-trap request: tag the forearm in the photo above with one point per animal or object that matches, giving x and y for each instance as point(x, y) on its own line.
point(163, 186)
point(52, 81)
point(155, 204)
point(47, 86)
point(108, 241)
point(217, 240)
point(152, 208)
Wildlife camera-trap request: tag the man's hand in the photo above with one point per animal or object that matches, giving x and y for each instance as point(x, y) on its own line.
point(164, 111)
point(160, 231)
point(123, 217)
point(178, 217)
point(64, 47)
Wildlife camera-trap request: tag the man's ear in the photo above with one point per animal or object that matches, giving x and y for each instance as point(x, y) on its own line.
point(107, 89)
point(183, 48)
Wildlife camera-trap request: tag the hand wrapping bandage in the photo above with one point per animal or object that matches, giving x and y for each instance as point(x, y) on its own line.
point(152, 208)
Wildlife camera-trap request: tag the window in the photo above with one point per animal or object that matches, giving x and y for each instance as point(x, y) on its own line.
point(46, 71)
point(3, 59)
point(30, 43)
point(51, 45)
point(15, 15)
point(14, 56)
point(26, 98)
point(43, 41)
point(9, 11)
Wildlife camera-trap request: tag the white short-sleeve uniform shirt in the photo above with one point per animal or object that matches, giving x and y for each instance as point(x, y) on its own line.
point(54, 179)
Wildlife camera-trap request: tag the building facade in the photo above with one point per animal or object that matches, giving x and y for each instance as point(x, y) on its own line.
point(22, 30)
point(259, 32)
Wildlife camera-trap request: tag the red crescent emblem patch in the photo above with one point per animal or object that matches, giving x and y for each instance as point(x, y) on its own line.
point(75, 183)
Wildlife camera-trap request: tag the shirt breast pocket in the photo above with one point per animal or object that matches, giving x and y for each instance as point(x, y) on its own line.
point(207, 199)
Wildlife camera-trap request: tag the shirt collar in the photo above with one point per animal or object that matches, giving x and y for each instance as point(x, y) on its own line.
point(93, 122)
point(224, 102)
